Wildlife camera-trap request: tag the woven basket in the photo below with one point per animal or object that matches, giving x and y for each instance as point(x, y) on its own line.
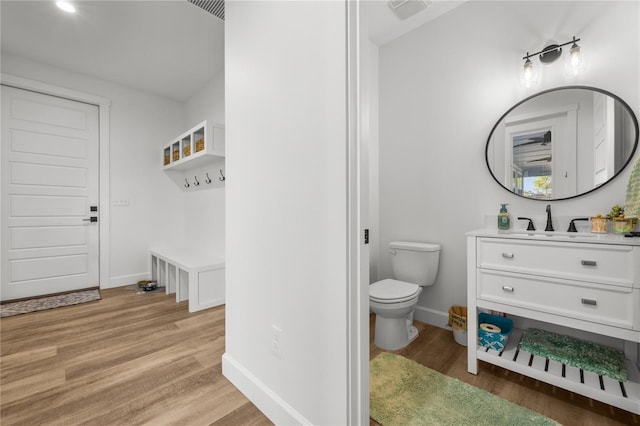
point(599, 225)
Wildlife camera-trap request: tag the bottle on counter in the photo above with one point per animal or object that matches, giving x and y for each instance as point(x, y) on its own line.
point(504, 223)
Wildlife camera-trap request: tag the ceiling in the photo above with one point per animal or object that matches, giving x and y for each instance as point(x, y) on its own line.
point(170, 48)
point(385, 26)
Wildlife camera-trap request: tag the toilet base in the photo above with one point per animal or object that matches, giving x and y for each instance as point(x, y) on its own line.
point(413, 333)
point(393, 333)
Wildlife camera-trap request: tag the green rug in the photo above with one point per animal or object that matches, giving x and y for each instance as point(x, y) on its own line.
point(403, 392)
point(588, 356)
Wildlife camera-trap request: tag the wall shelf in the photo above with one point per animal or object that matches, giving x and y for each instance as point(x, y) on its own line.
point(195, 147)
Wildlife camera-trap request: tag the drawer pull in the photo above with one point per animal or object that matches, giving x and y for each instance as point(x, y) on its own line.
point(589, 302)
point(507, 255)
point(510, 289)
point(588, 262)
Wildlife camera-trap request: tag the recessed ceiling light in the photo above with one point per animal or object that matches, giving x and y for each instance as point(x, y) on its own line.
point(66, 6)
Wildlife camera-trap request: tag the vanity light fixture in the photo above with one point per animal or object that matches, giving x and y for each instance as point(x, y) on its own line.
point(575, 63)
point(66, 6)
point(529, 72)
point(549, 55)
point(574, 52)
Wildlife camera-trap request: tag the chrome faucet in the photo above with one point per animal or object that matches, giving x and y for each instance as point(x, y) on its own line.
point(549, 227)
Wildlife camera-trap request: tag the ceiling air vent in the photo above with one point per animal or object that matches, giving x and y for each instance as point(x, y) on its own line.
point(215, 7)
point(406, 8)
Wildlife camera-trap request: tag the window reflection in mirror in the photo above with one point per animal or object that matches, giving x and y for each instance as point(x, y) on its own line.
point(562, 143)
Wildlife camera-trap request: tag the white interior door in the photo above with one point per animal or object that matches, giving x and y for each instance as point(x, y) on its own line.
point(532, 155)
point(49, 185)
point(603, 139)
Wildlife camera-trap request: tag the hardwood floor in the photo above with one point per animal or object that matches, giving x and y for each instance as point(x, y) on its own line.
point(143, 359)
point(125, 360)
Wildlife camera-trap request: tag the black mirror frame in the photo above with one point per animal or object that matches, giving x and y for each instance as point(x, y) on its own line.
point(617, 98)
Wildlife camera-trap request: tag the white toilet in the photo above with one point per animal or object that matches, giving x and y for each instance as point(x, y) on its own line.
point(415, 265)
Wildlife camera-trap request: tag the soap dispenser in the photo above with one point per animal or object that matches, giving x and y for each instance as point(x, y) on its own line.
point(503, 218)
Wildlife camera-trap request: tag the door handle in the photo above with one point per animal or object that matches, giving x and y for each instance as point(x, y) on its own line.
point(91, 219)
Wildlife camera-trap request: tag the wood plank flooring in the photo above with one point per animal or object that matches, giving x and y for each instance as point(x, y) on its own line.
point(126, 360)
point(144, 359)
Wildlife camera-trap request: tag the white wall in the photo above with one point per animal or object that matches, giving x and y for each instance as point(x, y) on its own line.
point(286, 253)
point(374, 160)
point(443, 87)
point(140, 125)
point(204, 205)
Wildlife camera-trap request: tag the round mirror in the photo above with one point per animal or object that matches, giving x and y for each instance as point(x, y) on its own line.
point(562, 143)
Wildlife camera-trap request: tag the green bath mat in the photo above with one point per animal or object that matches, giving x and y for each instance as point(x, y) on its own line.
point(589, 356)
point(403, 392)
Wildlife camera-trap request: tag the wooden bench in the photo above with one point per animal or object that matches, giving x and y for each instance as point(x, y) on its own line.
point(191, 274)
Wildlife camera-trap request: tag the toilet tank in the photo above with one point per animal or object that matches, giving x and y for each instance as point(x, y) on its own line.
point(415, 262)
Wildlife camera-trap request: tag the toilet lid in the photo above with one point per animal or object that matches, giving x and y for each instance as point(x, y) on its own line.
point(392, 290)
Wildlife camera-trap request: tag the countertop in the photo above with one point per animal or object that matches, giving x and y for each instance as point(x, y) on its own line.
point(581, 237)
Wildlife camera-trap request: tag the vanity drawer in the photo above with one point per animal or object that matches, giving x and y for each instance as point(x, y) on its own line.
point(598, 263)
point(603, 304)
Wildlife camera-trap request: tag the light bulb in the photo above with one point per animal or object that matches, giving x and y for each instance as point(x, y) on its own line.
point(529, 74)
point(528, 70)
point(575, 61)
point(575, 54)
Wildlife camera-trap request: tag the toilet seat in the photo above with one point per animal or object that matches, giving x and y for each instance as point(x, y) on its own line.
point(393, 291)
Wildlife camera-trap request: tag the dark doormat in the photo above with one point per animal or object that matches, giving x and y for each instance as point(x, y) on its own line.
point(48, 302)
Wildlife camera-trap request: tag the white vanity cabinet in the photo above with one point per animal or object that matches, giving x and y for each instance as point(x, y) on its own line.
point(583, 285)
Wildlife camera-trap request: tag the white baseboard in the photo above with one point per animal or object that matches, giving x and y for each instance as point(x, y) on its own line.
point(124, 280)
point(274, 407)
point(431, 316)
